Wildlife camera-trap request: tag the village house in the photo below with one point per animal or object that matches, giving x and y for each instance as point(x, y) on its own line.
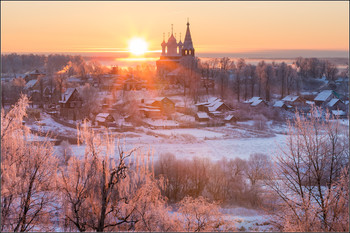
point(324, 97)
point(157, 107)
point(259, 103)
point(339, 114)
point(230, 119)
point(294, 100)
point(129, 83)
point(213, 106)
point(281, 104)
point(32, 75)
point(104, 119)
point(335, 104)
point(71, 104)
point(32, 89)
point(201, 117)
point(253, 99)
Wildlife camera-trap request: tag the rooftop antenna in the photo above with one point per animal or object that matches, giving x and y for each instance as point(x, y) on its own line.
point(188, 21)
point(171, 29)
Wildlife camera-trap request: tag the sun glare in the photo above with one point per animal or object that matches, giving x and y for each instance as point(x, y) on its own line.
point(138, 46)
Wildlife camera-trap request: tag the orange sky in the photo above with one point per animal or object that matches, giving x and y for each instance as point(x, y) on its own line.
point(215, 26)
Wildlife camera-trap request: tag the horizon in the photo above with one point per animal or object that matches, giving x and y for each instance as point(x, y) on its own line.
point(277, 53)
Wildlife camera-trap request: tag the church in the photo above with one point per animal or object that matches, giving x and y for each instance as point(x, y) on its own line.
point(173, 52)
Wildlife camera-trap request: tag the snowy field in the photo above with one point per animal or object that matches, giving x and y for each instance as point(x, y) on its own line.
point(188, 143)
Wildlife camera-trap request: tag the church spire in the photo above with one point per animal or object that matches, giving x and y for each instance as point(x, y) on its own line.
point(188, 39)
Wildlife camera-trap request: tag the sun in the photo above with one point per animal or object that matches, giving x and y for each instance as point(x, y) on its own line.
point(138, 46)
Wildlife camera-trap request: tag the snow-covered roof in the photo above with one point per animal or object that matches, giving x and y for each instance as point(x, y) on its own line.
point(101, 117)
point(310, 102)
point(290, 98)
point(33, 72)
point(256, 103)
point(151, 101)
point(65, 96)
point(338, 113)
point(229, 117)
point(253, 99)
point(215, 106)
point(324, 95)
point(332, 102)
point(202, 115)
point(279, 104)
point(211, 101)
point(30, 84)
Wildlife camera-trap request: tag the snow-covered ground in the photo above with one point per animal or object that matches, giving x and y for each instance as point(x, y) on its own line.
point(248, 219)
point(188, 143)
point(48, 124)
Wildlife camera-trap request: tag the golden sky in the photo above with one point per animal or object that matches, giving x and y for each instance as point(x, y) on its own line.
point(215, 26)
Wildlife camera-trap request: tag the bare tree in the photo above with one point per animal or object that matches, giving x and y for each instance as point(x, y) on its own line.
point(225, 65)
point(241, 66)
point(282, 75)
point(330, 71)
point(308, 173)
point(93, 186)
point(261, 75)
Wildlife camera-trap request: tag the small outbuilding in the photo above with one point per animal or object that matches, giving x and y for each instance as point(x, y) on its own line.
point(202, 117)
point(104, 119)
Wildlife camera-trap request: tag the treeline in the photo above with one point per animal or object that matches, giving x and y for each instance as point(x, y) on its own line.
point(49, 64)
point(242, 81)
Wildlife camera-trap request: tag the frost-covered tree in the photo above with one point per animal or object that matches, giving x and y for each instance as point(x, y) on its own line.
point(28, 176)
point(309, 176)
point(200, 215)
point(92, 186)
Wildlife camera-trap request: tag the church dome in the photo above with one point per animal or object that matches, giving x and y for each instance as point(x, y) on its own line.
point(171, 40)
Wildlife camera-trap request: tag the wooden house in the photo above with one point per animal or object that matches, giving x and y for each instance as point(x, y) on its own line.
point(213, 106)
point(281, 104)
point(324, 97)
point(32, 75)
point(294, 100)
point(259, 103)
point(71, 104)
point(157, 107)
point(336, 104)
point(104, 119)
